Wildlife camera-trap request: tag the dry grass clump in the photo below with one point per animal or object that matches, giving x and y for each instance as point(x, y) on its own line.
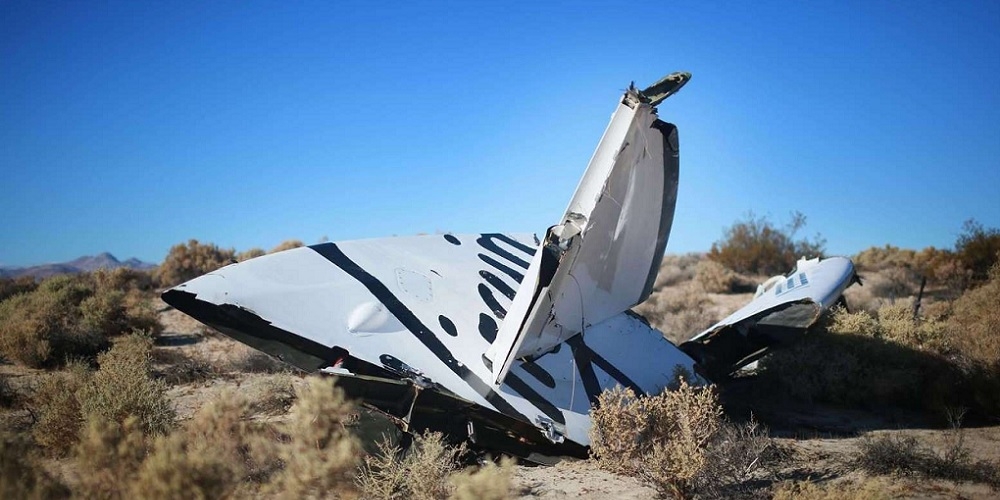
point(321, 456)
point(714, 277)
point(287, 245)
point(56, 408)
point(108, 456)
point(891, 357)
point(676, 269)
point(679, 311)
point(866, 489)
point(188, 261)
point(269, 394)
point(421, 472)
point(904, 455)
point(21, 475)
point(74, 316)
point(247, 360)
point(677, 441)
point(492, 481)
point(213, 456)
point(10, 287)
point(975, 321)
point(121, 388)
point(253, 253)
point(755, 246)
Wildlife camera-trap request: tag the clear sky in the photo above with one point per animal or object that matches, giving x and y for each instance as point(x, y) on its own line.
point(132, 126)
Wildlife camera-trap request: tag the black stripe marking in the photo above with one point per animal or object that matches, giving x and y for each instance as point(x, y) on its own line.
point(402, 313)
point(539, 373)
point(487, 241)
point(518, 277)
point(452, 239)
point(498, 283)
point(487, 328)
point(583, 356)
point(525, 390)
point(487, 295)
point(585, 359)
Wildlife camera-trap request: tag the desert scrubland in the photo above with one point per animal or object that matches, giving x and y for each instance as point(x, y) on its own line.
point(107, 392)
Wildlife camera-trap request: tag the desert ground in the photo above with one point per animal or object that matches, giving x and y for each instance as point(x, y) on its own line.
point(816, 443)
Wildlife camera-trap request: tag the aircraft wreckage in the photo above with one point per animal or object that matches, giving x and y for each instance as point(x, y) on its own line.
point(506, 340)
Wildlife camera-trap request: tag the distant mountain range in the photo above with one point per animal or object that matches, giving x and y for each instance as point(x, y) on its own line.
point(86, 263)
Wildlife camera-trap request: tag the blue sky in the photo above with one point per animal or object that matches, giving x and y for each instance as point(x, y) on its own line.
point(129, 127)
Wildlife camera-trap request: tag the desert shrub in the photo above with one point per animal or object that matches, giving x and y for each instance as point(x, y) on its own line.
point(269, 394)
point(57, 409)
point(978, 249)
point(183, 369)
point(905, 455)
point(320, 456)
point(737, 455)
point(889, 256)
point(676, 269)
point(10, 287)
point(212, 456)
point(286, 245)
point(866, 489)
point(714, 277)
point(679, 312)
point(755, 246)
point(246, 255)
point(188, 261)
point(109, 456)
point(247, 360)
point(21, 474)
point(73, 316)
point(123, 387)
point(853, 359)
point(975, 321)
point(662, 439)
point(491, 481)
point(891, 358)
point(421, 472)
point(44, 327)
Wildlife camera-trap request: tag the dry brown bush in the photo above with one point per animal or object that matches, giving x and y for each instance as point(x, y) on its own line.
point(188, 261)
point(491, 481)
point(714, 277)
point(74, 316)
point(246, 255)
point(219, 453)
point(679, 312)
point(10, 287)
point(975, 321)
point(978, 249)
point(321, 456)
point(905, 455)
point(109, 456)
point(269, 394)
point(421, 472)
point(287, 245)
point(21, 474)
point(866, 489)
point(247, 360)
point(124, 387)
point(57, 409)
point(675, 269)
point(662, 439)
point(755, 246)
point(44, 327)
